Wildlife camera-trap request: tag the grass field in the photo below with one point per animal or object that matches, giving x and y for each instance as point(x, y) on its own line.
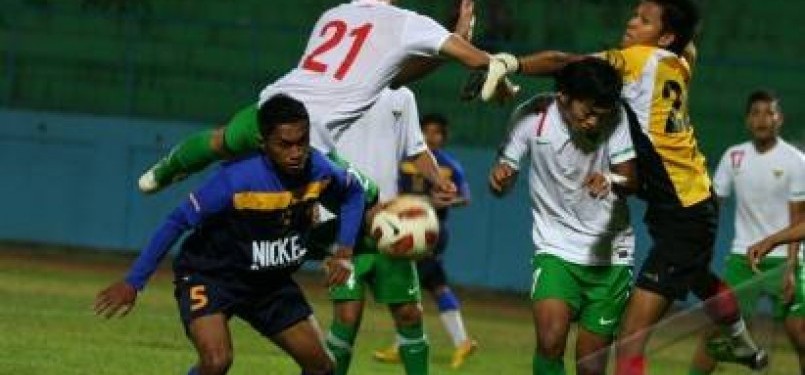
point(47, 327)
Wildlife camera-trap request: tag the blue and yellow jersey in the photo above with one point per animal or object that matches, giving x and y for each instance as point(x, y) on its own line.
point(411, 181)
point(250, 222)
point(672, 170)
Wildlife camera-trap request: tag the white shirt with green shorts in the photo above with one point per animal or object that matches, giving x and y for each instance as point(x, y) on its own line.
point(584, 245)
point(376, 144)
point(764, 185)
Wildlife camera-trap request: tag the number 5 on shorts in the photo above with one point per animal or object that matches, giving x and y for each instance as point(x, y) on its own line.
point(198, 295)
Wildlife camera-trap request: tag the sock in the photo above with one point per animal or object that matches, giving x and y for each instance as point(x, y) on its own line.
point(546, 366)
point(720, 303)
point(631, 365)
point(339, 342)
point(331, 372)
point(694, 371)
point(193, 371)
point(193, 154)
point(745, 345)
point(413, 349)
point(451, 317)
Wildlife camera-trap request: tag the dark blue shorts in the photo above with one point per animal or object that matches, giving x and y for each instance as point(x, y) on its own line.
point(269, 308)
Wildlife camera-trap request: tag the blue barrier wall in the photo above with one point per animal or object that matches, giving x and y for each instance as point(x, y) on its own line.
point(70, 179)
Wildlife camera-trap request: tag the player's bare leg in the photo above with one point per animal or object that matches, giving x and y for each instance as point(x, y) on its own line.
point(551, 325)
point(795, 329)
point(644, 310)
point(347, 317)
point(303, 342)
point(213, 342)
point(411, 340)
point(592, 352)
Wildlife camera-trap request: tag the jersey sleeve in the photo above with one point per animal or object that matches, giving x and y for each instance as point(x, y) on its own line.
point(213, 197)
point(516, 144)
point(628, 61)
point(414, 142)
point(423, 36)
point(620, 143)
point(722, 180)
point(797, 182)
point(344, 188)
point(460, 179)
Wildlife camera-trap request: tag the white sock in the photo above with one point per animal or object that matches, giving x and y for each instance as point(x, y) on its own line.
point(740, 334)
point(454, 325)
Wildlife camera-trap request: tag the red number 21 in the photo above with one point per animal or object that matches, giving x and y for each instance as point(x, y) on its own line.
point(340, 30)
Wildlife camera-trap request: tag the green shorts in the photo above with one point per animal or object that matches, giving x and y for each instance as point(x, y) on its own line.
point(749, 286)
point(596, 294)
point(391, 280)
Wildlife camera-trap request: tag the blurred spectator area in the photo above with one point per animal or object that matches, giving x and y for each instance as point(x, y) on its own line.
point(200, 60)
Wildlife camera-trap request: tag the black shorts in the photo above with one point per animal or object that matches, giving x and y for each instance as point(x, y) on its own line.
point(683, 244)
point(269, 308)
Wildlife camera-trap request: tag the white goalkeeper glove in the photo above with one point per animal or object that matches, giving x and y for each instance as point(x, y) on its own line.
point(500, 65)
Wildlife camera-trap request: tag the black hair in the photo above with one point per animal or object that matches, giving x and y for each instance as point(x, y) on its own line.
point(591, 79)
point(434, 118)
point(681, 18)
point(280, 109)
point(762, 95)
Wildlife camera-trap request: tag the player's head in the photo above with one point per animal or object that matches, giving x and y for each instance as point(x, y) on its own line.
point(434, 128)
point(589, 95)
point(285, 129)
point(668, 24)
point(764, 116)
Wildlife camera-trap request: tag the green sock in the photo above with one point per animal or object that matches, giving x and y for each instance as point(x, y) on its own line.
point(413, 349)
point(695, 371)
point(547, 366)
point(190, 156)
point(339, 342)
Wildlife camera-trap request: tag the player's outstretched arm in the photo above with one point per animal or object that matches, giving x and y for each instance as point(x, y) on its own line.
point(546, 62)
point(756, 252)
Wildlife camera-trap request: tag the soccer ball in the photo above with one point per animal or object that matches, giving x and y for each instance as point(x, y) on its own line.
point(406, 228)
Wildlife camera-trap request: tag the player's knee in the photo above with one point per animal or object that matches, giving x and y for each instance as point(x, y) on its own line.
point(551, 343)
point(348, 317)
point(407, 314)
point(594, 366)
point(215, 361)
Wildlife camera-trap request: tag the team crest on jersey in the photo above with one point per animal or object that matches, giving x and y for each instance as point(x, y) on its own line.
point(777, 173)
point(396, 114)
point(737, 157)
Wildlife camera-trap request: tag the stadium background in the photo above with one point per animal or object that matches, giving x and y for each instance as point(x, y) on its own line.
point(92, 91)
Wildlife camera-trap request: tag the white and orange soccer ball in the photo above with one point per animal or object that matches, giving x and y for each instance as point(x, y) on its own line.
point(406, 228)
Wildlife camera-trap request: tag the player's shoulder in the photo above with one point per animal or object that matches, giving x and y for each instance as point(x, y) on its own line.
point(321, 166)
point(790, 151)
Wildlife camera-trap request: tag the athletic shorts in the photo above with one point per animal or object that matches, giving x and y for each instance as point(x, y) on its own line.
point(597, 295)
point(392, 281)
point(750, 286)
point(269, 308)
point(682, 248)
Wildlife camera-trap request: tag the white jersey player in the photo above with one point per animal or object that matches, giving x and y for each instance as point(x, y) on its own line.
point(355, 51)
point(767, 178)
point(584, 242)
point(376, 144)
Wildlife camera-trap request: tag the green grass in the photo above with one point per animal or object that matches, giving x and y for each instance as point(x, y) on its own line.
point(47, 327)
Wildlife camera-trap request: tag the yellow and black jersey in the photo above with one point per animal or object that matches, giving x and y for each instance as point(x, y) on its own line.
point(656, 82)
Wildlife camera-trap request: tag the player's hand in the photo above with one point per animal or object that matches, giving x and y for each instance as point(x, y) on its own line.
point(444, 193)
point(465, 22)
point(492, 84)
point(501, 178)
point(756, 252)
point(338, 267)
point(598, 185)
point(117, 299)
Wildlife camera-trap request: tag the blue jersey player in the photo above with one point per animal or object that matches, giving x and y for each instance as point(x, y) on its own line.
point(430, 270)
point(249, 227)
